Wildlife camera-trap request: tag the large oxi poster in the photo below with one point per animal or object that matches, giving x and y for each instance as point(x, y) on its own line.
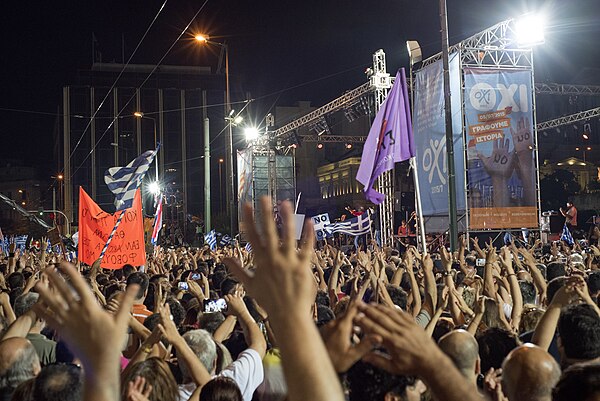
point(429, 128)
point(501, 156)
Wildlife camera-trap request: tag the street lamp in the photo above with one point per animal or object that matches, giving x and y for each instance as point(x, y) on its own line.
point(205, 39)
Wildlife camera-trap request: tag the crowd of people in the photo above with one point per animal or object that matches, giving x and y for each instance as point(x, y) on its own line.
point(289, 320)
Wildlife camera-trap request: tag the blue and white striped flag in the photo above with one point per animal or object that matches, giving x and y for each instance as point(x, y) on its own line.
point(124, 181)
point(211, 240)
point(358, 225)
point(225, 240)
point(566, 236)
point(248, 247)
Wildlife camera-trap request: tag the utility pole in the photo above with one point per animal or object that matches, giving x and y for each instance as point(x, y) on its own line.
point(452, 215)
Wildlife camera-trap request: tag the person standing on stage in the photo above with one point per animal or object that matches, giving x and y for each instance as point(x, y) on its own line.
point(570, 216)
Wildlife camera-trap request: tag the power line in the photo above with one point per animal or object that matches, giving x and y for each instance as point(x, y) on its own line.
point(117, 80)
point(141, 85)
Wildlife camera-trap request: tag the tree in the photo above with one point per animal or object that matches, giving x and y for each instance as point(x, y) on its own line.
point(556, 188)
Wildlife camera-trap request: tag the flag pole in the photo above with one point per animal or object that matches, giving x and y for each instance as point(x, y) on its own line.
point(112, 234)
point(413, 165)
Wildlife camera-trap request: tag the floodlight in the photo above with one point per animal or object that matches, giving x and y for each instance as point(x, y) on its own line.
point(530, 30)
point(154, 188)
point(237, 120)
point(251, 133)
point(414, 51)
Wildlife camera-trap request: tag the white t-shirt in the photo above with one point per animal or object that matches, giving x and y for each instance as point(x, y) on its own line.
point(247, 371)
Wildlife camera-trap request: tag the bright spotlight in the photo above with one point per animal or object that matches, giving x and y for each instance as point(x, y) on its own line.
point(154, 188)
point(201, 38)
point(530, 30)
point(237, 120)
point(348, 146)
point(251, 133)
point(319, 145)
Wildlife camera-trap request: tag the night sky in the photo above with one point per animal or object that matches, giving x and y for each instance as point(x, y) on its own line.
point(282, 51)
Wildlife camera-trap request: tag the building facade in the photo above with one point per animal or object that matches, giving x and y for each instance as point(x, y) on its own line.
point(100, 131)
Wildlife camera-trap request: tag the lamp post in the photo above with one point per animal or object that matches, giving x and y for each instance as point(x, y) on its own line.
point(585, 149)
point(204, 39)
point(221, 160)
point(139, 114)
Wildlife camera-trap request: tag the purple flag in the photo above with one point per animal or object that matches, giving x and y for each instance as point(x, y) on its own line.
point(390, 139)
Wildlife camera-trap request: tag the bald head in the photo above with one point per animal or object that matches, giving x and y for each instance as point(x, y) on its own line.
point(18, 362)
point(462, 348)
point(529, 373)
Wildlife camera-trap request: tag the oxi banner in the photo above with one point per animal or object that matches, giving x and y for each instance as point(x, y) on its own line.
point(429, 130)
point(501, 157)
point(95, 225)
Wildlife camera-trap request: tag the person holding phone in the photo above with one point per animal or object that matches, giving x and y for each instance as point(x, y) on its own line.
point(570, 214)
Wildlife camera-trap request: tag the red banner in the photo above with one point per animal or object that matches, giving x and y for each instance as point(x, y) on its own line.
point(95, 225)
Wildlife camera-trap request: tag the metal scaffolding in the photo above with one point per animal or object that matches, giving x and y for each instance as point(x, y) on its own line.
point(571, 118)
point(333, 138)
point(566, 89)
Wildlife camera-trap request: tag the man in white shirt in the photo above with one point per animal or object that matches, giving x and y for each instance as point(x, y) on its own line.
point(247, 370)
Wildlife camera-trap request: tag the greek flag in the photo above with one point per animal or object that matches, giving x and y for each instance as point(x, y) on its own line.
point(211, 240)
point(248, 247)
point(566, 236)
point(124, 181)
point(225, 240)
point(358, 225)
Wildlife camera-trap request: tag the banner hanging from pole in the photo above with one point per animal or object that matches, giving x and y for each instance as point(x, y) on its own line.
point(430, 138)
point(95, 227)
point(501, 149)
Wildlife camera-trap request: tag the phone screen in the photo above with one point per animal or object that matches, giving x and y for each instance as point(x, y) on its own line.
point(183, 286)
point(480, 262)
point(196, 276)
point(211, 305)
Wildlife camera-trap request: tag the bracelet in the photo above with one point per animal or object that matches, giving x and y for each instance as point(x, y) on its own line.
point(11, 254)
point(512, 274)
point(147, 349)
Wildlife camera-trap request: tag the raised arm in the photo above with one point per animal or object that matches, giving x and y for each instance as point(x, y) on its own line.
point(282, 283)
point(79, 324)
point(252, 333)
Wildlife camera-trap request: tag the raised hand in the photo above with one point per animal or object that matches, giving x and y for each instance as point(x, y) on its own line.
point(280, 270)
point(522, 137)
point(500, 162)
point(138, 390)
point(338, 335)
point(95, 335)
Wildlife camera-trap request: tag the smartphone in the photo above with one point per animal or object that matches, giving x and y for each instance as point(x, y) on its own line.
point(212, 305)
point(480, 262)
point(182, 285)
point(437, 265)
point(196, 276)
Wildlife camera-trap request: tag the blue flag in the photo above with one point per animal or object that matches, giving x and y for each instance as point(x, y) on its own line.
point(390, 139)
point(358, 225)
point(124, 181)
point(566, 236)
point(211, 240)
